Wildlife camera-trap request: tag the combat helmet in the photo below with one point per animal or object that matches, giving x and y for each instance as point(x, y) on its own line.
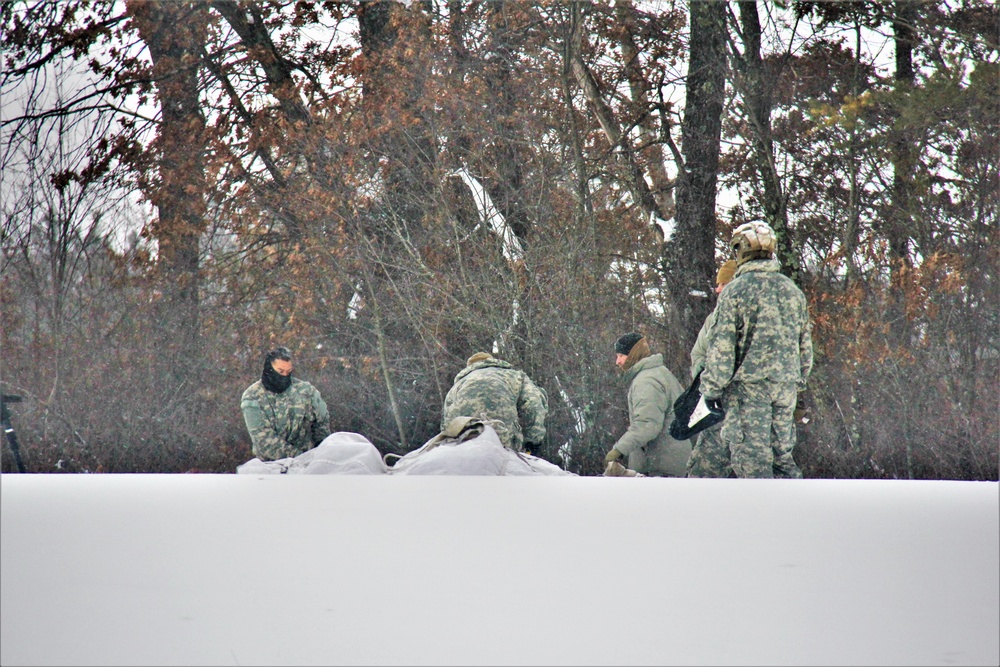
point(753, 240)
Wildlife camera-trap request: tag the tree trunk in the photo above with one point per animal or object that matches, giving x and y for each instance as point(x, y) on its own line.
point(504, 154)
point(755, 87)
point(903, 160)
point(395, 39)
point(174, 33)
point(585, 205)
point(690, 259)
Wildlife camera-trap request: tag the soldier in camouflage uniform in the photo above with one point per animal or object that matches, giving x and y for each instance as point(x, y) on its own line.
point(285, 416)
point(492, 389)
point(710, 456)
point(759, 357)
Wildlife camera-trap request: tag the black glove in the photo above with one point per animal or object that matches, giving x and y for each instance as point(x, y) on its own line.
point(532, 448)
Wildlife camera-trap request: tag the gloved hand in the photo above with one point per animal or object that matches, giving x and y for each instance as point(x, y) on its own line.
point(613, 455)
point(616, 469)
point(802, 415)
point(532, 448)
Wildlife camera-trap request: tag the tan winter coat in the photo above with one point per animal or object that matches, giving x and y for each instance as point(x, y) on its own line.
point(647, 442)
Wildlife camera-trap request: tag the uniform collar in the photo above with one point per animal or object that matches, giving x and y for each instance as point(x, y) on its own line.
point(770, 265)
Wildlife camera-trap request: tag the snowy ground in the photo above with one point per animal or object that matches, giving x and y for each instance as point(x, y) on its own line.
point(447, 570)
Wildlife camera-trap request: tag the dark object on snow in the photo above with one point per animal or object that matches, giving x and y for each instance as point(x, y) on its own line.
point(684, 407)
point(8, 428)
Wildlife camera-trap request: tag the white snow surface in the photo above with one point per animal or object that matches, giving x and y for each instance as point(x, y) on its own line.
point(200, 569)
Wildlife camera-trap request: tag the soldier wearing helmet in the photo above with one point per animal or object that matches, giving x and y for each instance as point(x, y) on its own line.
point(758, 357)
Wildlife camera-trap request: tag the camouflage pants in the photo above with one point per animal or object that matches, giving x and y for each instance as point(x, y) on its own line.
point(710, 456)
point(759, 429)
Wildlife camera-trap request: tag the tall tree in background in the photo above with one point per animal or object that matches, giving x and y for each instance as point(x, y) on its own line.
point(175, 182)
point(755, 81)
point(905, 152)
point(395, 44)
point(691, 253)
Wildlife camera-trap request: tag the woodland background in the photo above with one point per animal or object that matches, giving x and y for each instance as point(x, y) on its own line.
point(187, 184)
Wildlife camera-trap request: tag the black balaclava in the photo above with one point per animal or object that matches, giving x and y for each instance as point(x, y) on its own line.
point(272, 380)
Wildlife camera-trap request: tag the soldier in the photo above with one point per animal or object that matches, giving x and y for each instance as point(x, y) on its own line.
point(652, 389)
point(759, 357)
point(491, 389)
point(710, 457)
point(285, 416)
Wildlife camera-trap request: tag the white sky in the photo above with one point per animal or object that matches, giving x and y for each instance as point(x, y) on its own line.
point(459, 570)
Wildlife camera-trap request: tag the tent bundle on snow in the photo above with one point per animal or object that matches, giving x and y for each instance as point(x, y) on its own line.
point(467, 446)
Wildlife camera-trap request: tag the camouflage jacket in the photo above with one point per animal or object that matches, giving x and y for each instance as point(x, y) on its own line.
point(652, 390)
point(701, 345)
point(762, 331)
point(285, 424)
point(495, 390)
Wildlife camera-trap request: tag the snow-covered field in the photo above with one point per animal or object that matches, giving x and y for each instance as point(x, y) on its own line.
point(450, 570)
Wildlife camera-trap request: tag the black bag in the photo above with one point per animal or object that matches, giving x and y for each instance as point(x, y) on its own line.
point(684, 407)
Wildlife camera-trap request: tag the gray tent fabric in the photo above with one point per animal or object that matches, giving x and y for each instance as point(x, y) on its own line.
point(341, 453)
point(452, 452)
point(467, 447)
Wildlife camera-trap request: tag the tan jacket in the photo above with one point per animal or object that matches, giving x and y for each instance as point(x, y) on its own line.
point(647, 442)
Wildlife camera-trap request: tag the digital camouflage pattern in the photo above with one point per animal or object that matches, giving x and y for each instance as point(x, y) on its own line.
point(701, 345)
point(759, 429)
point(286, 424)
point(494, 390)
point(759, 356)
point(710, 456)
point(762, 331)
point(651, 450)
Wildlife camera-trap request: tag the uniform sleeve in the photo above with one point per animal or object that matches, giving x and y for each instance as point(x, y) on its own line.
point(649, 406)
point(720, 348)
point(321, 426)
point(267, 446)
point(532, 409)
point(701, 345)
point(446, 408)
point(805, 351)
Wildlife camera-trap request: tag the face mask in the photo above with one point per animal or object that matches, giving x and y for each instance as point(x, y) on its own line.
point(274, 381)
